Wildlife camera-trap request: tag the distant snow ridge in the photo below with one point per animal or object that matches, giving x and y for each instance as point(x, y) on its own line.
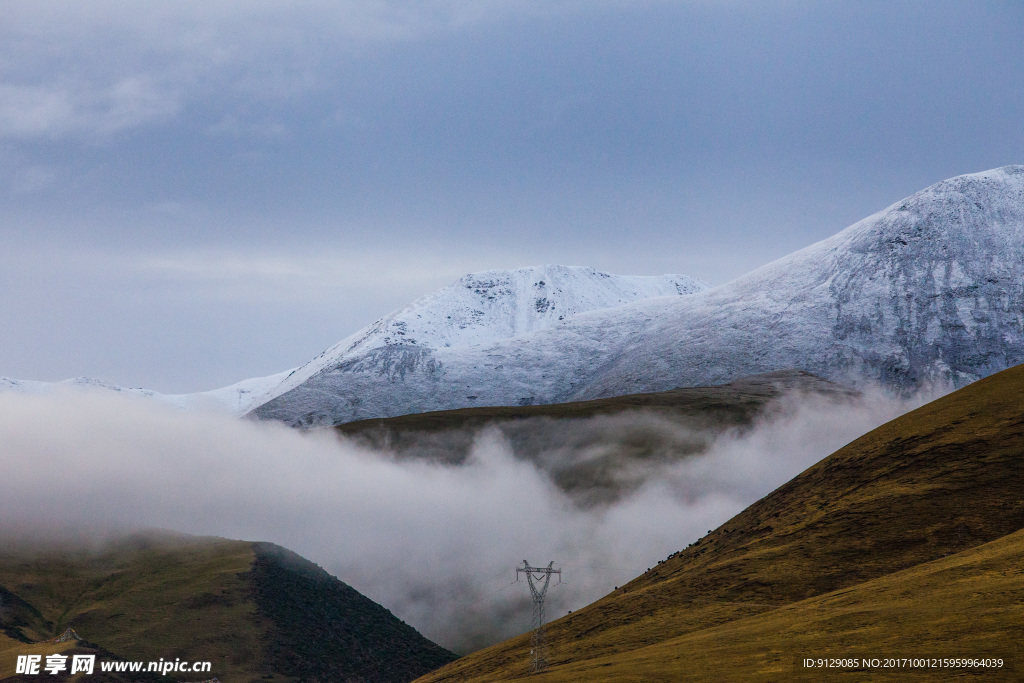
point(479, 309)
point(930, 290)
point(33, 387)
point(236, 399)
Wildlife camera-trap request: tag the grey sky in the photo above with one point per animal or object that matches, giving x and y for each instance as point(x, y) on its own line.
point(193, 193)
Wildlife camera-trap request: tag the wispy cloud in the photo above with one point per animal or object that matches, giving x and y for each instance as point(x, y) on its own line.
point(101, 67)
point(58, 110)
point(33, 178)
point(279, 274)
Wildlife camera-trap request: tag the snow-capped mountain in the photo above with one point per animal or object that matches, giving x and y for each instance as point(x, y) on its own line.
point(930, 289)
point(480, 308)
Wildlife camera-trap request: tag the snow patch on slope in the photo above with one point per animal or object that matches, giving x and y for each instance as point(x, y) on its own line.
point(236, 399)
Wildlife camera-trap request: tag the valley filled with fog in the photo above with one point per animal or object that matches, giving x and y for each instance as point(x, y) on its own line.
point(436, 543)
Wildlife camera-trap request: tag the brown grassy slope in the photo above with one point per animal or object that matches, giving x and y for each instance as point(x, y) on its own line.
point(731, 404)
point(147, 598)
point(962, 605)
point(941, 479)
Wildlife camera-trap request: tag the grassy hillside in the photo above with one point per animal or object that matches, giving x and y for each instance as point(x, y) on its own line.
point(963, 605)
point(595, 450)
point(900, 544)
point(233, 603)
point(733, 403)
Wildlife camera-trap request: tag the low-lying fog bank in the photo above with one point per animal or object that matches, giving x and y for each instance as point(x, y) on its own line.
point(436, 543)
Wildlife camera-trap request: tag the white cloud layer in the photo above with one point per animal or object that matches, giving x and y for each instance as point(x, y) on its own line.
point(436, 544)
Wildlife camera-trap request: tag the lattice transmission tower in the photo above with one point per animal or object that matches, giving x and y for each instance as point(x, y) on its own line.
point(538, 576)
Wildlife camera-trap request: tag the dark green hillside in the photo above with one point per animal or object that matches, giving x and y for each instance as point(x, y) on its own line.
point(904, 543)
point(256, 611)
point(324, 630)
point(18, 617)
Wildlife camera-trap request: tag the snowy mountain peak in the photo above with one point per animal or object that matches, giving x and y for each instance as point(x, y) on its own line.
point(925, 292)
point(484, 308)
point(500, 304)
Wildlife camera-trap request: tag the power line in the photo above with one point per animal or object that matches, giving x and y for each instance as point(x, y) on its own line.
point(505, 587)
point(603, 569)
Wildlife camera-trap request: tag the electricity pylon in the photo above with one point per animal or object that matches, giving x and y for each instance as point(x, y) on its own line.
point(542, 576)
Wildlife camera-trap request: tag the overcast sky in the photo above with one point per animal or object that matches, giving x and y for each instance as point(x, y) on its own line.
point(193, 193)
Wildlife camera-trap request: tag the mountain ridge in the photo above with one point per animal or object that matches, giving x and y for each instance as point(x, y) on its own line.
point(925, 292)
